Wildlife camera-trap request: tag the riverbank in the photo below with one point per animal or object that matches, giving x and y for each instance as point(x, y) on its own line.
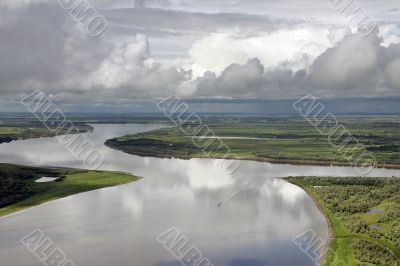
point(20, 191)
point(323, 210)
point(29, 130)
point(121, 146)
point(356, 235)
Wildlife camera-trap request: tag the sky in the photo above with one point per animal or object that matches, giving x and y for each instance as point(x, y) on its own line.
point(220, 55)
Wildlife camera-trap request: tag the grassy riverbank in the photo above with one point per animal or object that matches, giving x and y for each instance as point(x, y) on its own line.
point(19, 190)
point(25, 128)
point(277, 140)
point(364, 214)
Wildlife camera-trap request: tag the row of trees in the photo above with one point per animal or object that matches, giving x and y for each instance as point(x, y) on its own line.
point(368, 252)
point(18, 182)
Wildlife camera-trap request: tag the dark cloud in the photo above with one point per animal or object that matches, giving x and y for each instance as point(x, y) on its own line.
point(43, 47)
point(251, 81)
point(30, 46)
point(356, 66)
point(235, 80)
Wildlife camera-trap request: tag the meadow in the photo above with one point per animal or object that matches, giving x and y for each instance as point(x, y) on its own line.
point(18, 189)
point(279, 140)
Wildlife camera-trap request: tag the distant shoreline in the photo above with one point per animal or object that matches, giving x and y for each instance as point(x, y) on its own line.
point(109, 143)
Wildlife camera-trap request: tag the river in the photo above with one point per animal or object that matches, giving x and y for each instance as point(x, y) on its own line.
point(248, 218)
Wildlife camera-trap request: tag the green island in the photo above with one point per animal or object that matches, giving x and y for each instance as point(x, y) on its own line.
point(364, 217)
point(18, 189)
point(279, 140)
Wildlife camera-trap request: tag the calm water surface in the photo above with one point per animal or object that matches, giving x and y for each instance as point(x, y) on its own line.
point(245, 219)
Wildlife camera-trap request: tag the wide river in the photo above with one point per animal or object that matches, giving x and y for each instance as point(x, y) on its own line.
point(248, 218)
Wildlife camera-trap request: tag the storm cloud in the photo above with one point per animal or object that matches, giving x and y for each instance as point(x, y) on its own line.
point(196, 49)
point(356, 66)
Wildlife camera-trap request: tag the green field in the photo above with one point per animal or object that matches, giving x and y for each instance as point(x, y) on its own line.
point(364, 214)
point(19, 191)
point(286, 140)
